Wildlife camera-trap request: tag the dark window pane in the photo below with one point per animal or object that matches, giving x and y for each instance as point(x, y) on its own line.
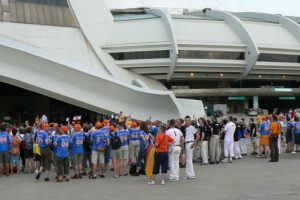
point(278, 58)
point(141, 55)
point(49, 2)
point(212, 55)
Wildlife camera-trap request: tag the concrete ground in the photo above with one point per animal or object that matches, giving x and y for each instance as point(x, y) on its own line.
point(249, 178)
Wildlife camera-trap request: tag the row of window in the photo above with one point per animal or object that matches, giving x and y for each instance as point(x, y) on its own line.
point(186, 54)
point(279, 58)
point(49, 2)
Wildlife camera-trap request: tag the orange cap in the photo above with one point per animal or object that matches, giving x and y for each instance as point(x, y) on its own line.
point(98, 125)
point(45, 125)
point(105, 122)
point(77, 127)
point(64, 129)
point(133, 125)
point(111, 128)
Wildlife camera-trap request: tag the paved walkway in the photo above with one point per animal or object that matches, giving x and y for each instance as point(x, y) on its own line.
point(250, 178)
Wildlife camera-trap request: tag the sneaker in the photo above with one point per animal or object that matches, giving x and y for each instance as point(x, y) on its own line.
point(230, 160)
point(80, 176)
point(225, 160)
point(151, 182)
point(189, 178)
point(47, 179)
point(83, 174)
point(38, 175)
point(162, 182)
point(293, 151)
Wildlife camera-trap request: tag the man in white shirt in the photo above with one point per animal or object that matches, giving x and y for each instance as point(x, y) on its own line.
point(190, 143)
point(174, 150)
point(228, 140)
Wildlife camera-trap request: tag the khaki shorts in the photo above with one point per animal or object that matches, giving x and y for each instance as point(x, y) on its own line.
point(46, 158)
point(77, 158)
point(116, 153)
point(98, 157)
point(124, 152)
point(134, 148)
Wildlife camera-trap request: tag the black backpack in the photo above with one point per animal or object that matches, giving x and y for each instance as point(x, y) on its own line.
point(87, 142)
point(115, 141)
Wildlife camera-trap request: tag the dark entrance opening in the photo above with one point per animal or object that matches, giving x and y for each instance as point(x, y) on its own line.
point(19, 105)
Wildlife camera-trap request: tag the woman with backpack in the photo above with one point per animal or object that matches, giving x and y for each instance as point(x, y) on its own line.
point(28, 150)
point(115, 143)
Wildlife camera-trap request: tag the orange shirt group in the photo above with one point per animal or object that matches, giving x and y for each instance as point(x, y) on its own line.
point(162, 141)
point(274, 128)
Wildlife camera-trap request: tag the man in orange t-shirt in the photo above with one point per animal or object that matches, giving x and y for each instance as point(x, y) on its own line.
point(274, 132)
point(162, 155)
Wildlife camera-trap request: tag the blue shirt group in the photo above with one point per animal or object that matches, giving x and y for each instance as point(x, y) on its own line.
point(5, 141)
point(77, 143)
point(134, 134)
point(124, 136)
point(54, 138)
point(144, 135)
point(297, 127)
point(264, 128)
point(62, 142)
point(42, 138)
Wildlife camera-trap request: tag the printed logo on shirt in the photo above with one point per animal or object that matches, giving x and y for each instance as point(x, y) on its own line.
point(3, 139)
point(79, 141)
point(65, 143)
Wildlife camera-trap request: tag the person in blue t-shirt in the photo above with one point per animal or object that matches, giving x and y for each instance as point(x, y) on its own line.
point(264, 129)
point(297, 132)
point(97, 151)
point(144, 144)
point(77, 150)
point(105, 142)
point(5, 146)
point(44, 142)
point(124, 136)
point(134, 142)
point(62, 153)
point(54, 148)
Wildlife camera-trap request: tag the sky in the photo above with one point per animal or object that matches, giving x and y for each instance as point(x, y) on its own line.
point(284, 7)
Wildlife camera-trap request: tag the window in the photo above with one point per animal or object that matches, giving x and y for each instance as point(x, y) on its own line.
point(49, 2)
point(141, 55)
point(279, 58)
point(212, 55)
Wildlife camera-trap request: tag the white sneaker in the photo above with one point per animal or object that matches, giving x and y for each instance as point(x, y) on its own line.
point(162, 182)
point(189, 178)
point(225, 160)
point(151, 182)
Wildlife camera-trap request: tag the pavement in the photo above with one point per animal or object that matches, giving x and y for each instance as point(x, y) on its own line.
point(249, 178)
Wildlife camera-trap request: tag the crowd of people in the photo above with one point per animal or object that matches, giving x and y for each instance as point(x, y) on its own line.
point(122, 146)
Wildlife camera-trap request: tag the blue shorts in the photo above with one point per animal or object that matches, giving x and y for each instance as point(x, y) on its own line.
point(14, 160)
point(161, 160)
point(107, 154)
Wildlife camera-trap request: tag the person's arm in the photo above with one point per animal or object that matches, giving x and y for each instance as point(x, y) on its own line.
point(196, 141)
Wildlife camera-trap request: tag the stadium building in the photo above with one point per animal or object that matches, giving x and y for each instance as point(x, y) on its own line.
point(147, 58)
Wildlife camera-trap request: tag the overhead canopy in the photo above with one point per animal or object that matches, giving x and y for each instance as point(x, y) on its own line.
point(286, 7)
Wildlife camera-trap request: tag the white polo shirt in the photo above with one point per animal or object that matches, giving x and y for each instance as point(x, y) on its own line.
point(190, 133)
point(176, 134)
point(229, 131)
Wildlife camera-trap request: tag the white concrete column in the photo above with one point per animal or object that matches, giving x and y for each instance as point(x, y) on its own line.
point(255, 102)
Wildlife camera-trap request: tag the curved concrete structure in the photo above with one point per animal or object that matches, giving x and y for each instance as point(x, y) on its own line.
point(171, 32)
point(48, 74)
